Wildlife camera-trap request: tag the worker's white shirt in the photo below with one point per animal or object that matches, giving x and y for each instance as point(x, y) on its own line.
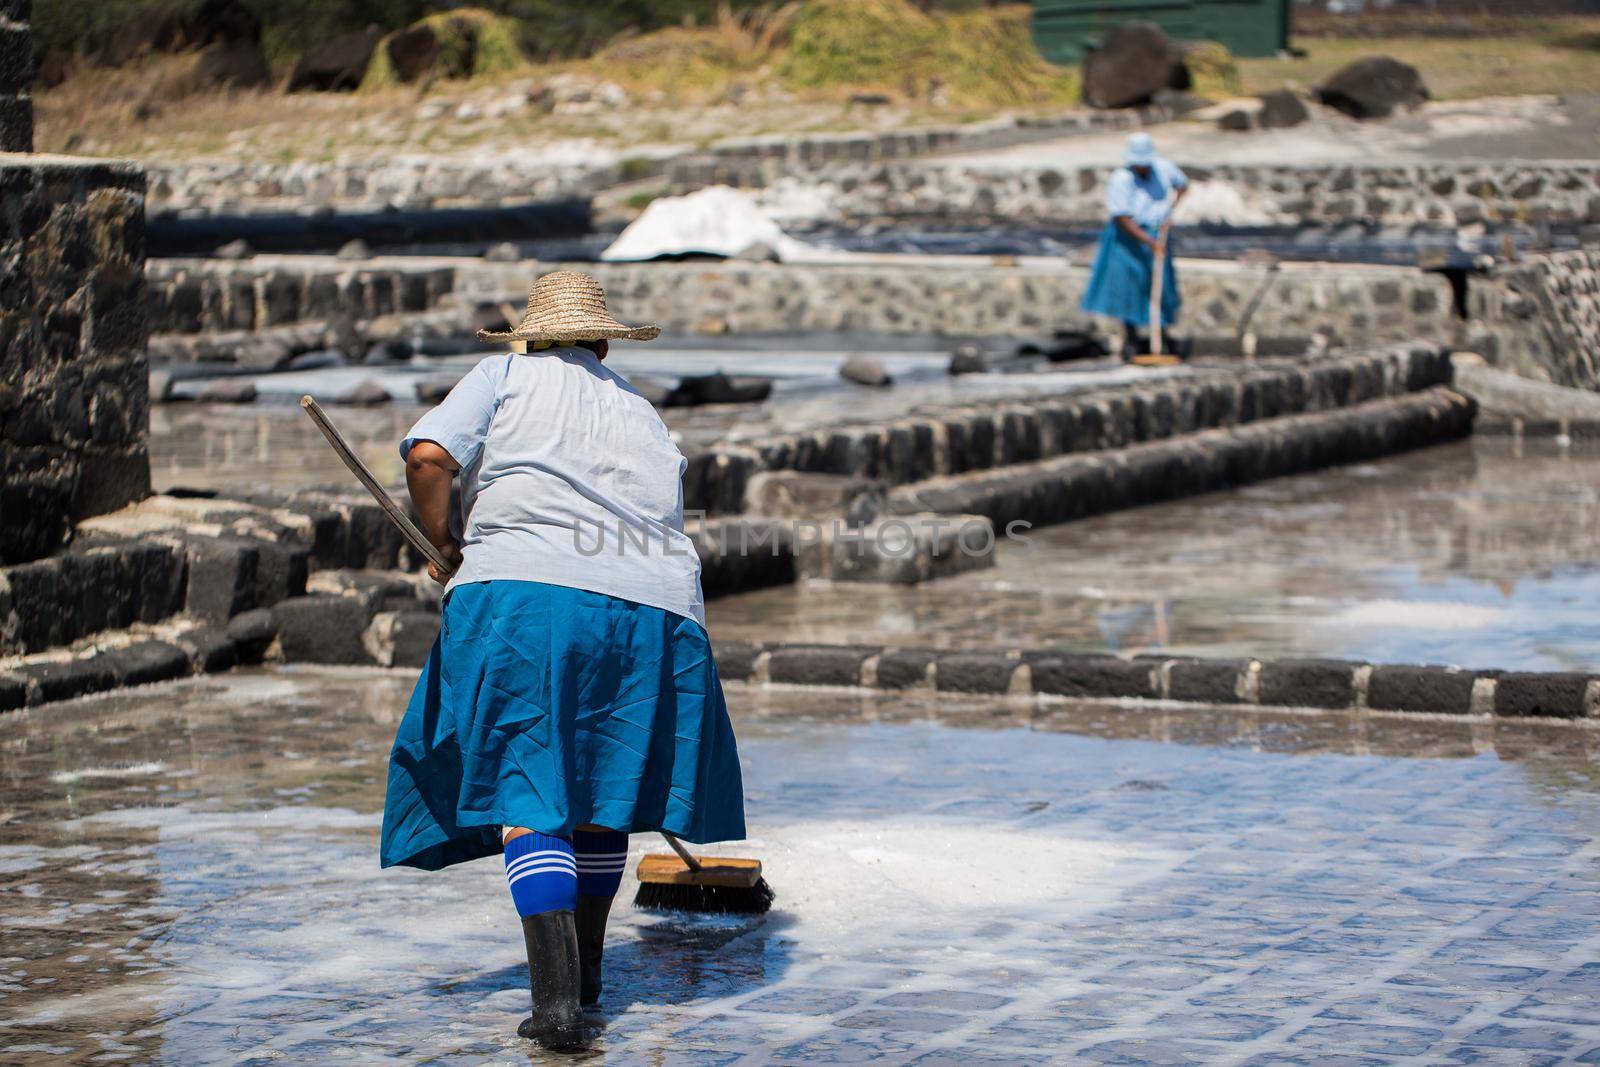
point(1148, 201)
point(568, 476)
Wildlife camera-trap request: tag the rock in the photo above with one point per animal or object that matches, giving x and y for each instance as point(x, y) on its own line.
point(337, 65)
point(232, 65)
point(759, 252)
point(365, 393)
point(806, 495)
point(718, 388)
point(1281, 109)
point(227, 391)
point(412, 52)
point(389, 352)
point(432, 390)
point(503, 252)
point(324, 629)
point(865, 370)
point(356, 249)
point(252, 632)
point(969, 359)
point(1130, 65)
point(1068, 345)
point(1238, 120)
point(1373, 87)
point(715, 221)
point(237, 249)
point(318, 360)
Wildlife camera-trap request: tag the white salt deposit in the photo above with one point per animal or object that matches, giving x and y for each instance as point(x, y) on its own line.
point(716, 221)
point(1420, 615)
point(130, 770)
point(1220, 202)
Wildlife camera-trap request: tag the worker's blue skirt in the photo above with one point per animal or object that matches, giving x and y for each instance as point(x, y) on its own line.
point(550, 708)
point(1119, 285)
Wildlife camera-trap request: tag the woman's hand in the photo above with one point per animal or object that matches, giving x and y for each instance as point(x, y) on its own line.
point(452, 555)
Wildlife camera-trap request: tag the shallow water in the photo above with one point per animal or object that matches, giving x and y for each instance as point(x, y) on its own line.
point(188, 875)
point(1482, 553)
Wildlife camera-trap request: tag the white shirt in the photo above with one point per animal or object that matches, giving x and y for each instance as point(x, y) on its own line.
point(569, 477)
point(1148, 201)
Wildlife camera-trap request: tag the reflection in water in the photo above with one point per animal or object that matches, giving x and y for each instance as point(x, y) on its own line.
point(189, 876)
point(1478, 553)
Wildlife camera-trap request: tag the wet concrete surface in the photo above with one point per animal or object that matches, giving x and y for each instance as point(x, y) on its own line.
point(188, 875)
point(1484, 553)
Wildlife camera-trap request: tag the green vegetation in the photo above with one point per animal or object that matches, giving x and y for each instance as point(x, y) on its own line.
point(472, 43)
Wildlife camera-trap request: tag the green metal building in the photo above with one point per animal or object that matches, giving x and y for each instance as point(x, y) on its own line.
point(1065, 29)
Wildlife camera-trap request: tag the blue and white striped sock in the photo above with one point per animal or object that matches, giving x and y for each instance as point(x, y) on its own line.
point(601, 857)
point(541, 873)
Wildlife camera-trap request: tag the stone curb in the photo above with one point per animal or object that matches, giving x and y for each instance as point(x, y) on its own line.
point(1288, 683)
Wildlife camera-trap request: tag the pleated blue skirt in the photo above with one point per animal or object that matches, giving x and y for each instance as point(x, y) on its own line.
point(1119, 284)
point(551, 708)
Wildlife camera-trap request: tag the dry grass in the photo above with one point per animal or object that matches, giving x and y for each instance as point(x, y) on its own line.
point(1559, 55)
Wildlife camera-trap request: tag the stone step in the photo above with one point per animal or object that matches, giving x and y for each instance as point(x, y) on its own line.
point(954, 439)
point(1076, 486)
point(1304, 683)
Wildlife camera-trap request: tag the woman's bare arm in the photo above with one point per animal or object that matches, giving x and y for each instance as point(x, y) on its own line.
point(429, 472)
point(1134, 230)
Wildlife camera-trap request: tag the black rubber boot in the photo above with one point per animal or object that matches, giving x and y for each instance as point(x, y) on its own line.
point(557, 1020)
point(591, 916)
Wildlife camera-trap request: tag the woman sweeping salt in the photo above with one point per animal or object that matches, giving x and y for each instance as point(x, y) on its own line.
point(571, 698)
point(1140, 199)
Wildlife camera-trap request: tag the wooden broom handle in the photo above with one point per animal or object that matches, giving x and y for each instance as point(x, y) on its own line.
point(407, 528)
point(683, 853)
point(1157, 261)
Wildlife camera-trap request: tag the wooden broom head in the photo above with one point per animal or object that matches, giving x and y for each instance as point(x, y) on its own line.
point(721, 871)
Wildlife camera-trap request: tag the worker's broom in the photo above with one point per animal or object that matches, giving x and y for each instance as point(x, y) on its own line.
point(1155, 358)
point(713, 884)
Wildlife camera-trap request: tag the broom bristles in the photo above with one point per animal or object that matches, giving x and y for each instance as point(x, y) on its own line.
point(706, 899)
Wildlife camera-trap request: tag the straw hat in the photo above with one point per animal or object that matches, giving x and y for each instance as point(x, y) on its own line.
point(564, 306)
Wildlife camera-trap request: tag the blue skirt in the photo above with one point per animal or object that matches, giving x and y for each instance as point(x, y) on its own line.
point(550, 708)
point(1119, 285)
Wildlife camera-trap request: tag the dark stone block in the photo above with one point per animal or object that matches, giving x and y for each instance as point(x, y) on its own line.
point(16, 60)
point(147, 662)
point(736, 660)
point(413, 637)
point(36, 597)
point(1092, 676)
point(1308, 683)
point(281, 570)
point(13, 692)
point(222, 577)
point(74, 678)
point(1206, 681)
point(818, 664)
point(16, 124)
point(1431, 689)
point(974, 672)
point(904, 668)
point(209, 648)
point(252, 633)
point(324, 629)
point(1559, 695)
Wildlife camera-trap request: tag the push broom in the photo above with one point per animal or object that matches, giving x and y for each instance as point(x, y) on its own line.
point(1155, 358)
point(681, 882)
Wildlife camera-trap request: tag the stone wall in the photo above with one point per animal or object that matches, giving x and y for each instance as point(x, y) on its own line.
point(471, 179)
point(214, 296)
point(73, 322)
point(16, 76)
point(1354, 304)
point(1540, 318)
point(1441, 194)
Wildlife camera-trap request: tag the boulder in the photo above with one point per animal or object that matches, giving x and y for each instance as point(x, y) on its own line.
point(389, 352)
point(227, 391)
point(1281, 109)
point(232, 65)
point(1238, 120)
point(969, 359)
point(1373, 87)
point(1068, 345)
point(412, 52)
point(718, 388)
point(865, 370)
point(365, 393)
point(1130, 65)
point(432, 390)
point(337, 65)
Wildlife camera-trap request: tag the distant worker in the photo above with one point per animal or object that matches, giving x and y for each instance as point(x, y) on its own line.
point(1140, 198)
